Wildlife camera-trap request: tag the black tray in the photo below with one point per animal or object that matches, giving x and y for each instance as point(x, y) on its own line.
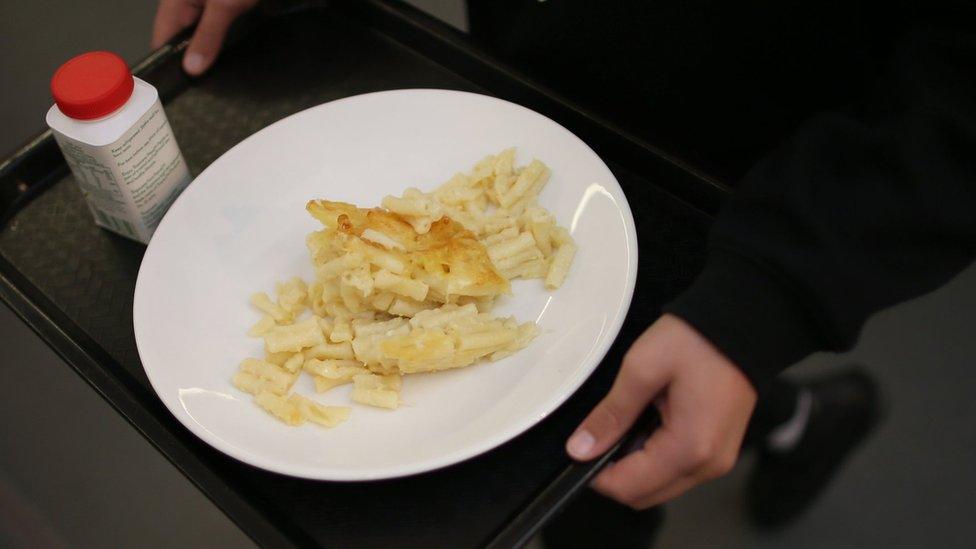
point(73, 283)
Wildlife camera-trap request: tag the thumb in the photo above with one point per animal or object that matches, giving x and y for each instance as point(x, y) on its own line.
point(637, 384)
point(209, 35)
point(172, 16)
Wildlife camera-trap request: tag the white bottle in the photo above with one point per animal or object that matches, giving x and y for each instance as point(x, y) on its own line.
point(114, 134)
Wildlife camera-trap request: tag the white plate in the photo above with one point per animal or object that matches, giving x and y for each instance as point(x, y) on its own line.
point(241, 226)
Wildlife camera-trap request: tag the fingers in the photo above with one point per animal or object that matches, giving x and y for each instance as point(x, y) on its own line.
point(667, 466)
point(676, 488)
point(644, 472)
point(172, 16)
point(704, 400)
point(638, 382)
point(210, 33)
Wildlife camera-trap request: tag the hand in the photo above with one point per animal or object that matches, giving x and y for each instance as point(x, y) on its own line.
point(705, 403)
point(215, 18)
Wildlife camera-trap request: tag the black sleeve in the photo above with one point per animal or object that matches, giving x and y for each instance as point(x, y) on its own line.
point(858, 211)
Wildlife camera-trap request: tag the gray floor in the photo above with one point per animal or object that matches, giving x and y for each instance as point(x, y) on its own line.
point(36, 36)
point(73, 473)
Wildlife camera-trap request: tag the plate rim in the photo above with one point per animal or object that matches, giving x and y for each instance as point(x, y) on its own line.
point(466, 453)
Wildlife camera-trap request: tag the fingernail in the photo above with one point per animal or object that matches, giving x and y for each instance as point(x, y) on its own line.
point(194, 63)
point(580, 444)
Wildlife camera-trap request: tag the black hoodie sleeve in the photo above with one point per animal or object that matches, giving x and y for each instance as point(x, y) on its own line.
point(858, 211)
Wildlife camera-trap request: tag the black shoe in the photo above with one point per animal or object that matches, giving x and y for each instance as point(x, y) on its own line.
point(845, 407)
point(595, 521)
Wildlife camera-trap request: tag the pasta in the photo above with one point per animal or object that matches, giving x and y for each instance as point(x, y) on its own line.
point(327, 416)
point(341, 350)
point(262, 326)
point(323, 384)
point(334, 368)
point(294, 362)
point(406, 289)
point(294, 337)
point(280, 407)
point(560, 265)
point(377, 390)
point(257, 375)
point(272, 309)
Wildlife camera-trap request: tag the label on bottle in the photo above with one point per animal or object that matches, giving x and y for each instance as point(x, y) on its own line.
point(130, 183)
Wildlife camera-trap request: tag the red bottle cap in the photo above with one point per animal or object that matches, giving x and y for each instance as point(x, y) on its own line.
point(92, 85)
